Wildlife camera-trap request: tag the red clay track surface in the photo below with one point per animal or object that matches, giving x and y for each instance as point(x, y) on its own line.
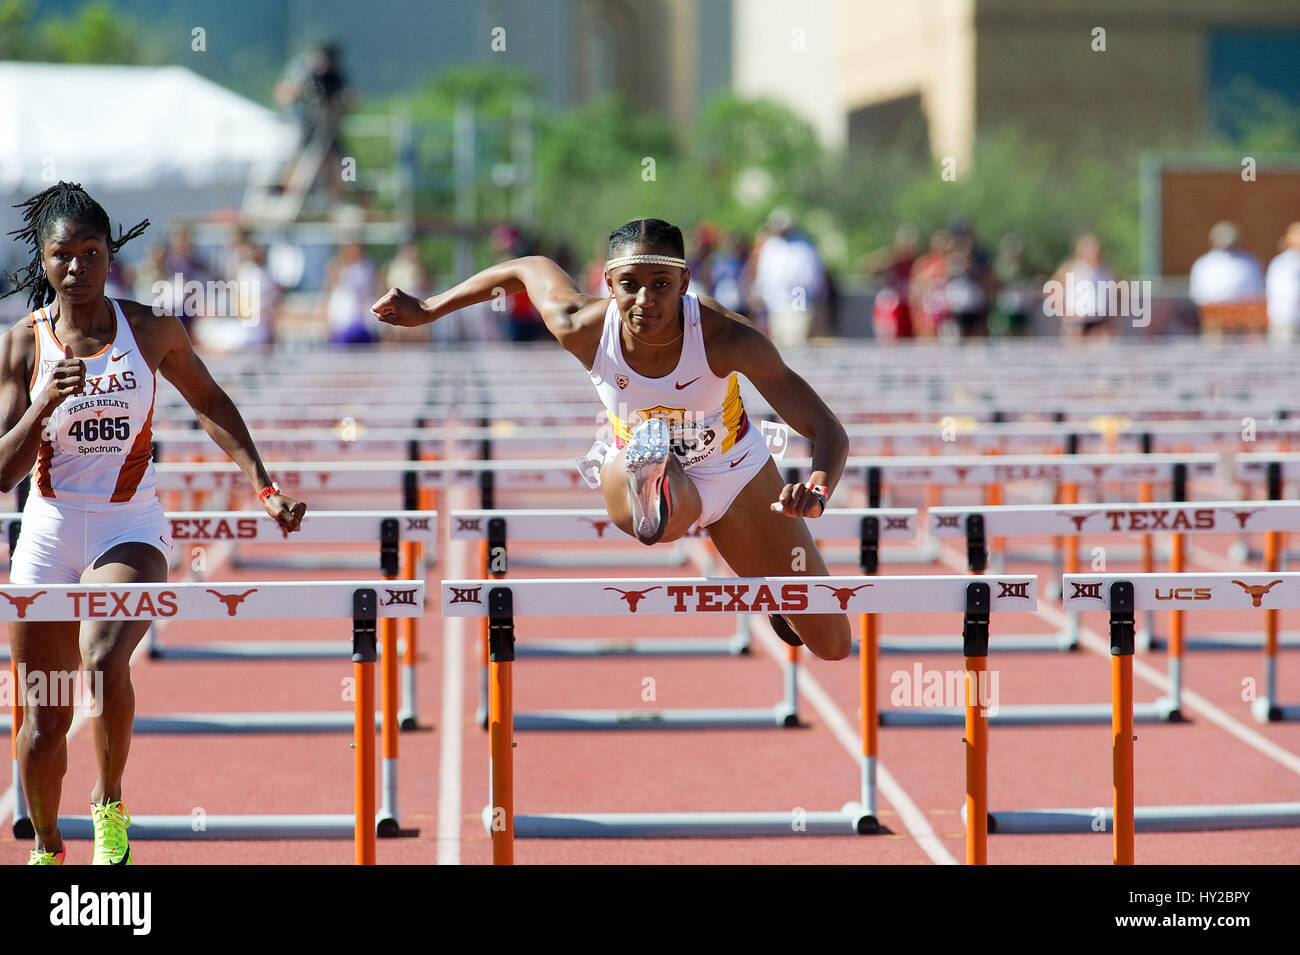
point(1221, 755)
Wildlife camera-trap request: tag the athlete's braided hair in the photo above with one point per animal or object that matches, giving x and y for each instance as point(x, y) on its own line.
point(65, 200)
point(652, 233)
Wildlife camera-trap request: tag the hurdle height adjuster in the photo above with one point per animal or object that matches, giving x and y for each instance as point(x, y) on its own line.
point(1122, 623)
point(496, 549)
point(975, 625)
point(501, 625)
point(389, 538)
point(410, 490)
point(365, 613)
point(977, 551)
point(869, 545)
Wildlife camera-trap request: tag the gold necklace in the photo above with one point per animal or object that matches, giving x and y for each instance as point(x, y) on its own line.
point(654, 344)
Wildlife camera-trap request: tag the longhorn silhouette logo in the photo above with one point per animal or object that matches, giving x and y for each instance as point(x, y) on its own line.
point(1257, 591)
point(1243, 516)
point(843, 594)
point(1078, 520)
point(598, 525)
point(232, 600)
point(22, 603)
point(633, 597)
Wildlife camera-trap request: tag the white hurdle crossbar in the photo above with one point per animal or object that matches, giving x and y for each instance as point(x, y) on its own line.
point(1201, 517)
point(495, 529)
point(504, 600)
point(1148, 591)
point(364, 602)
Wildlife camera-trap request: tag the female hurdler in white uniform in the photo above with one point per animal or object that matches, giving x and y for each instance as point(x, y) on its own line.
point(665, 366)
point(76, 402)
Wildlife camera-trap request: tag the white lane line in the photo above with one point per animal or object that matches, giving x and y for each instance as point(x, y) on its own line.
point(453, 701)
point(908, 812)
point(1191, 699)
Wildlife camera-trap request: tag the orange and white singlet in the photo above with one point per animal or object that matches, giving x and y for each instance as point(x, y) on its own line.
point(709, 430)
point(97, 446)
point(93, 487)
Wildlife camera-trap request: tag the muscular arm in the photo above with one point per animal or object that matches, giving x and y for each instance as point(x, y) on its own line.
point(752, 354)
point(23, 423)
point(549, 287)
point(217, 414)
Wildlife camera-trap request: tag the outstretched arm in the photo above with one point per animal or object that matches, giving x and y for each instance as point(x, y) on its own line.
point(219, 417)
point(548, 286)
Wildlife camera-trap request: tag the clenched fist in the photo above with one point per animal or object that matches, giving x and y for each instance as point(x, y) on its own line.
point(67, 379)
point(398, 308)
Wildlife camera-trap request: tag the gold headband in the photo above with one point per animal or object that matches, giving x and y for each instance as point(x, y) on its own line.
point(646, 260)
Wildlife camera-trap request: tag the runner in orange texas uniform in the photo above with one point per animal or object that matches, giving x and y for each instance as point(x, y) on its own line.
point(76, 401)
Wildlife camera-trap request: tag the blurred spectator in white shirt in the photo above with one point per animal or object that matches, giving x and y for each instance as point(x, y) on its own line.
point(789, 280)
point(1283, 288)
point(1227, 273)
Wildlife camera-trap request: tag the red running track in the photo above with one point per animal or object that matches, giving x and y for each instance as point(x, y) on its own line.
point(647, 770)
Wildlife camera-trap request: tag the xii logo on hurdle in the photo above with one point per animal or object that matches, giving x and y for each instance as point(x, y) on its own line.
point(466, 595)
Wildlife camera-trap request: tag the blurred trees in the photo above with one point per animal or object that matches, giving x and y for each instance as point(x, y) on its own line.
point(95, 33)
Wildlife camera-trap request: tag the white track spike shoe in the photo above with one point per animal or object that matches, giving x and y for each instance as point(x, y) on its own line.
point(647, 480)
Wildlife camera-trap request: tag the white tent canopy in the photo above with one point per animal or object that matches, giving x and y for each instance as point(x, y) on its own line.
point(131, 127)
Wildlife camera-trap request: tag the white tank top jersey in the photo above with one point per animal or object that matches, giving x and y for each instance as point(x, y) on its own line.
point(705, 415)
point(102, 449)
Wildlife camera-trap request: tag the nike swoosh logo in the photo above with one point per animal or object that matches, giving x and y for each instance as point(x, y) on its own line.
point(738, 460)
point(120, 357)
point(125, 860)
point(689, 383)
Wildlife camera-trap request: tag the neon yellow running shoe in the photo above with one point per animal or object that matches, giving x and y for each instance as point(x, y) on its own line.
point(111, 845)
point(41, 857)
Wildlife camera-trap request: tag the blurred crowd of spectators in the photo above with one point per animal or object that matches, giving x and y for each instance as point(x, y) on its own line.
point(953, 288)
point(957, 289)
point(1228, 280)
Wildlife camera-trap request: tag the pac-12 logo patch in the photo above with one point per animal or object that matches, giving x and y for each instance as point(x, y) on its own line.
point(622, 381)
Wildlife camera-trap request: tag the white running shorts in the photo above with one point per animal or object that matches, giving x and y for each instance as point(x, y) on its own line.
point(59, 542)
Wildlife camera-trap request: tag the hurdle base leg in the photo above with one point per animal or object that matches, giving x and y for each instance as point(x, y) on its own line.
point(849, 820)
point(23, 828)
point(865, 823)
point(786, 715)
point(387, 825)
point(1169, 711)
point(1266, 711)
point(407, 718)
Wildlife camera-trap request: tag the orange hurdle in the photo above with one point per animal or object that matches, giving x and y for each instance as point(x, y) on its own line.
point(363, 672)
point(501, 767)
point(975, 647)
point(1121, 681)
